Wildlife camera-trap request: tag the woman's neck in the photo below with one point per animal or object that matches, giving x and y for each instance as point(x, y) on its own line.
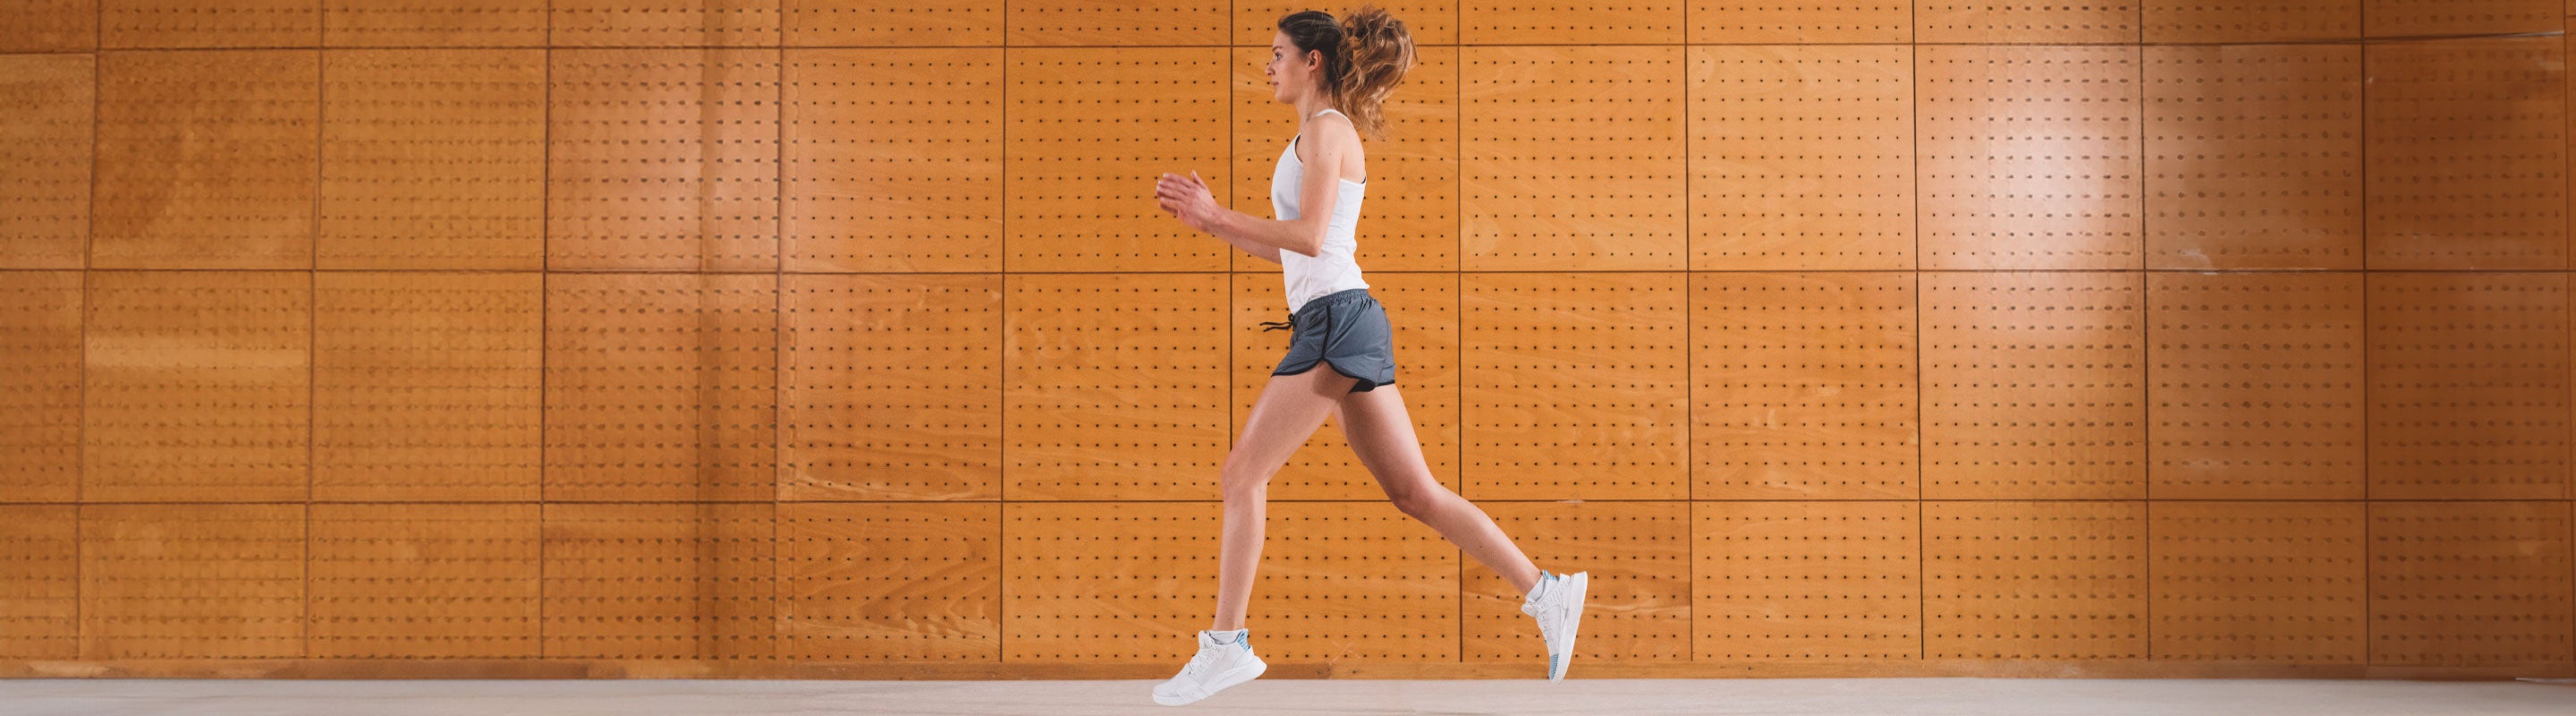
point(1308, 111)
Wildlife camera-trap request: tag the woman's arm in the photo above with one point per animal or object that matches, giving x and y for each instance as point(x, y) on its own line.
point(1267, 253)
point(1195, 205)
point(1190, 200)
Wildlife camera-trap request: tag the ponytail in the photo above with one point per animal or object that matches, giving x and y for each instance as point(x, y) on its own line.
point(1365, 56)
point(1377, 50)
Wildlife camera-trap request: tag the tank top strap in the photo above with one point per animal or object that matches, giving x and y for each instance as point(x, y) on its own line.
point(1292, 141)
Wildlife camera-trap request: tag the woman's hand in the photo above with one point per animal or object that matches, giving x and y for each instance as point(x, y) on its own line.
point(1188, 199)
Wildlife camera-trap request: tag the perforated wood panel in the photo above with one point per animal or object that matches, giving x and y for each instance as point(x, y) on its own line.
point(2384, 18)
point(433, 159)
point(469, 347)
point(1130, 581)
point(2035, 580)
point(890, 581)
point(1548, 178)
point(2029, 156)
point(1351, 581)
point(1431, 22)
point(1785, 581)
point(2256, 386)
point(206, 159)
point(1638, 556)
point(198, 387)
point(1802, 386)
point(1504, 22)
point(424, 580)
point(45, 170)
point(807, 338)
point(49, 26)
point(1771, 192)
point(180, 581)
point(1574, 386)
point(2013, 21)
point(1113, 386)
point(2271, 581)
point(2469, 582)
point(656, 581)
point(1139, 22)
point(661, 387)
point(1411, 202)
point(892, 389)
point(2467, 156)
point(1080, 188)
point(663, 23)
point(2468, 386)
point(209, 23)
point(893, 160)
point(811, 23)
point(2256, 158)
point(1798, 21)
point(40, 581)
point(662, 159)
point(1078, 583)
point(2271, 21)
point(1422, 309)
point(434, 23)
point(40, 414)
point(2033, 386)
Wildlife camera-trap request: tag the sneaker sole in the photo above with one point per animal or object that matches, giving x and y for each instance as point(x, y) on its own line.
point(1227, 680)
point(1579, 583)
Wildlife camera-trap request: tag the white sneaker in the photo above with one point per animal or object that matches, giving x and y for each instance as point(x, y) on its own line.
point(1558, 604)
point(1217, 666)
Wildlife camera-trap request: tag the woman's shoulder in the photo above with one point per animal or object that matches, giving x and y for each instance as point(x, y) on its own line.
point(1337, 134)
point(1339, 127)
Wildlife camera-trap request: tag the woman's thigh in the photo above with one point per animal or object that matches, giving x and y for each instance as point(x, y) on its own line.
point(1286, 414)
point(1381, 433)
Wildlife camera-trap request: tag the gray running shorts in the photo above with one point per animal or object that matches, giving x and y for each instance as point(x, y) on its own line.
point(1345, 329)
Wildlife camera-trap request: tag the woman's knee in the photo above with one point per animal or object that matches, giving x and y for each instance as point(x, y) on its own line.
point(1244, 479)
point(1419, 502)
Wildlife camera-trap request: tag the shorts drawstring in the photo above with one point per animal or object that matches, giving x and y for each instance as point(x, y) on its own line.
point(1291, 323)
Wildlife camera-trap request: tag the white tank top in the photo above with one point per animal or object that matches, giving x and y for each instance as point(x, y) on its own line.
point(1332, 268)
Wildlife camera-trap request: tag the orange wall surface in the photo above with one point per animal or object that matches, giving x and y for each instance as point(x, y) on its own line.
point(1888, 337)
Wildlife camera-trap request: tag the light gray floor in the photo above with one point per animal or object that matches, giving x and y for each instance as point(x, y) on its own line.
point(1965, 697)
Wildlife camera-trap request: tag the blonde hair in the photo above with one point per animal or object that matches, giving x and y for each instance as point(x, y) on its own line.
point(1366, 54)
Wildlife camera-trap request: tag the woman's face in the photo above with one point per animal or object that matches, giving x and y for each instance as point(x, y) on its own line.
point(1290, 79)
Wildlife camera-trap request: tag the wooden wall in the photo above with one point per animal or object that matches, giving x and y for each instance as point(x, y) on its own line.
point(773, 337)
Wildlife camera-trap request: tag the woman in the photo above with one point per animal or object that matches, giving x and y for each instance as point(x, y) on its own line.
point(1323, 67)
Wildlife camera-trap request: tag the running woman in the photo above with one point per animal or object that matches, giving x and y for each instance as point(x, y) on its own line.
point(1323, 67)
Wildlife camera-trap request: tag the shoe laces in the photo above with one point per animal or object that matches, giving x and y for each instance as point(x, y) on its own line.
point(1208, 654)
point(1545, 610)
point(1547, 627)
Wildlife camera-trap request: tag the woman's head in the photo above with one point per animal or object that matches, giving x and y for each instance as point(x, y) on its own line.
point(1351, 63)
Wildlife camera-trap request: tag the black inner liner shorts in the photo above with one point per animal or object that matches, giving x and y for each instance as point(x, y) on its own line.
point(1346, 329)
